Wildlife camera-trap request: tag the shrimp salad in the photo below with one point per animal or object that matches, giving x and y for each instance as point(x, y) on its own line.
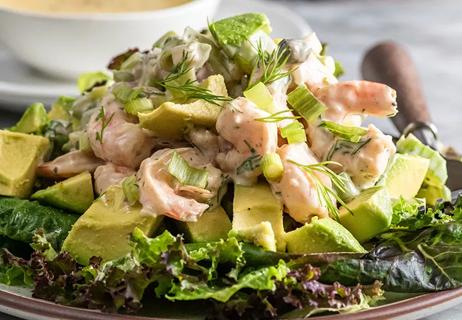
point(220, 165)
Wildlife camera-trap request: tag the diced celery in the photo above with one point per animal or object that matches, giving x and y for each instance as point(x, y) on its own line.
point(305, 103)
point(185, 174)
point(133, 107)
point(352, 134)
point(294, 132)
point(260, 95)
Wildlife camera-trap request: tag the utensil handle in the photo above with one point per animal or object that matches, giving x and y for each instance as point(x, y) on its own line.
point(389, 63)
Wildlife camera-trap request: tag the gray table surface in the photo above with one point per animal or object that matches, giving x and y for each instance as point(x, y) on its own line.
point(431, 30)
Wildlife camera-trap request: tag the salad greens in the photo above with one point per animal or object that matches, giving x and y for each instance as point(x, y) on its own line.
point(226, 168)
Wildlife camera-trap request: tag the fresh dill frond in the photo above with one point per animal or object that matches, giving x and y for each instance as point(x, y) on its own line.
point(272, 64)
point(188, 89)
point(252, 162)
point(104, 123)
point(278, 116)
point(324, 192)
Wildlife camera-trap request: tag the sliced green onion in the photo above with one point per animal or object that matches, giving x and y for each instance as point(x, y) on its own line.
point(131, 190)
point(88, 80)
point(352, 134)
point(185, 174)
point(133, 107)
point(260, 95)
point(305, 103)
point(294, 132)
point(272, 166)
point(124, 93)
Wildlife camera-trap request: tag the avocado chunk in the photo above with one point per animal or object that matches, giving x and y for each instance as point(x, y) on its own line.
point(170, 120)
point(20, 154)
point(369, 214)
point(260, 234)
point(212, 225)
point(322, 235)
point(33, 120)
point(255, 204)
point(405, 175)
point(234, 31)
point(74, 194)
point(242, 37)
point(433, 187)
point(104, 229)
point(60, 109)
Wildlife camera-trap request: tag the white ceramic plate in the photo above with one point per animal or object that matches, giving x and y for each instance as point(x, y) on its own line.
point(21, 85)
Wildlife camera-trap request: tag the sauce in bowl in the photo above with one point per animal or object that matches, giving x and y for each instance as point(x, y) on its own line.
point(89, 6)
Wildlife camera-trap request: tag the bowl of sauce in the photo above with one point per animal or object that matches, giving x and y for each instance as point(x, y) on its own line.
point(67, 37)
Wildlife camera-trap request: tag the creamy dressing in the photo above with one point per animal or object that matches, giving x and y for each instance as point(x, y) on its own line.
point(93, 6)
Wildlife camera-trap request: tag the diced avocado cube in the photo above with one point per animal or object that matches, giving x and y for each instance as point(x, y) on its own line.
point(212, 225)
point(60, 109)
point(433, 187)
point(369, 214)
point(33, 120)
point(261, 234)
point(255, 204)
point(404, 176)
point(234, 31)
point(74, 194)
point(437, 171)
point(322, 235)
point(170, 120)
point(20, 154)
point(104, 229)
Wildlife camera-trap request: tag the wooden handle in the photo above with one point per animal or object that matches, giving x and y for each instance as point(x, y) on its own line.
point(389, 63)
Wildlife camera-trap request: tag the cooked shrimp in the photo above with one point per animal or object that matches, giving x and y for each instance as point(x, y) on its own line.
point(246, 140)
point(120, 142)
point(313, 73)
point(159, 190)
point(108, 175)
point(367, 160)
point(296, 187)
point(278, 90)
point(206, 141)
point(357, 98)
point(69, 165)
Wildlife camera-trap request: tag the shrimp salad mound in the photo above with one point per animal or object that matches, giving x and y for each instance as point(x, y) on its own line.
point(227, 167)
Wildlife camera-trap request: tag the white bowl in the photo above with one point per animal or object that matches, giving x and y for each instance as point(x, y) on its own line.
point(66, 45)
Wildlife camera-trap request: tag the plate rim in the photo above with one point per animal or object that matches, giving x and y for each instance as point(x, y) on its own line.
point(45, 309)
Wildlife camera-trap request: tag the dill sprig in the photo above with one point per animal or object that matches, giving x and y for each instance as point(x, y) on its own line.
point(272, 64)
point(104, 123)
point(189, 89)
point(278, 116)
point(324, 192)
point(252, 162)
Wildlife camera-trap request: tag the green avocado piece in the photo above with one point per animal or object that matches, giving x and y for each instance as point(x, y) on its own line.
point(234, 31)
point(322, 235)
point(261, 234)
point(20, 154)
point(255, 204)
point(432, 193)
point(60, 109)
point(433, 187)
point(104, 229)
point(404, 176)
point(33, 120)
point(74, 194)
point(369, 214)
point(170, 120)
point(212, 225)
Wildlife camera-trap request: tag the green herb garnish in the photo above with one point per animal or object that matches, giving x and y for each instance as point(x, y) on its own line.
point(271, 64)
point(102, 116)
point(252, 162)
point(324, 192)
point(278, 116)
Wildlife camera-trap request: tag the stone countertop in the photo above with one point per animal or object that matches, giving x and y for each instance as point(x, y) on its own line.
point(430, 30)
